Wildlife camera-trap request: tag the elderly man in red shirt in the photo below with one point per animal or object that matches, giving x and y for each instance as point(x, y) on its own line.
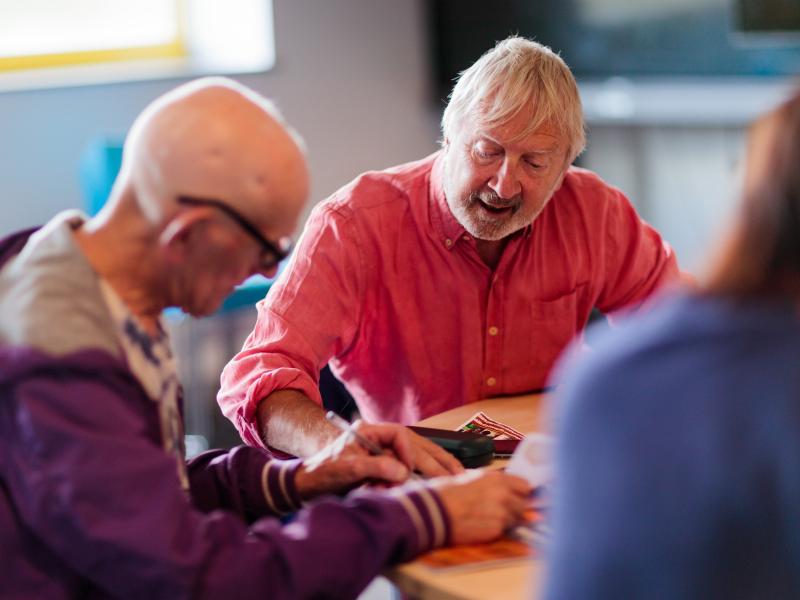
point(454, 278)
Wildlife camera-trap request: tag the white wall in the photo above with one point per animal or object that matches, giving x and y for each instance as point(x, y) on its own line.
point(351, 76)
point(681, 179)
point(673, 146)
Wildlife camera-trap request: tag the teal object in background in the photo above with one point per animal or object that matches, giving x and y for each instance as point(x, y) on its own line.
point(97, 171)
point(246, 295)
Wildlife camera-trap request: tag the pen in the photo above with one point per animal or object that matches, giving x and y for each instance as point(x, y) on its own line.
point(368, 444)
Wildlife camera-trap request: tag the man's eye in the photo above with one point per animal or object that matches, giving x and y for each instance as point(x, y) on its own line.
point(485, 153)
point(535, 165)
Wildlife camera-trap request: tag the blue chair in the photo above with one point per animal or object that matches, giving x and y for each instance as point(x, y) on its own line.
point(97, 170)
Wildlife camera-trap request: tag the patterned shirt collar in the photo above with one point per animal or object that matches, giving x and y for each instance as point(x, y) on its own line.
point(151, 360)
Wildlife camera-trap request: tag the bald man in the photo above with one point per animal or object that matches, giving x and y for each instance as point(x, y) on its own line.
point(96, 499)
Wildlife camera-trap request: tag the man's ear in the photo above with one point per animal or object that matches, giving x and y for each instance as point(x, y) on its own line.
point(179, 235)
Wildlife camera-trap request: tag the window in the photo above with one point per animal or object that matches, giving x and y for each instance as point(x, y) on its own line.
point(45, 43)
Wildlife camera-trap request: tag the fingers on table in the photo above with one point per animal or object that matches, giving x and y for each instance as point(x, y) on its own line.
point(386, 468)
point(432, 460)
point(390, 437)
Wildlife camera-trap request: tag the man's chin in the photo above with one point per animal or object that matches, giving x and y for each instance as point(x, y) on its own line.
point(495, 237)
point(196, 313)
point(490, 232)
point(203, 309)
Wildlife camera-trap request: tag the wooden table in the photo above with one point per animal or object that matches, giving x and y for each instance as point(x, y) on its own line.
point(514, 580)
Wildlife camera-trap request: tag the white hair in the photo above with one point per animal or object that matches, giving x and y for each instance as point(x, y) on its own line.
point(514, 75)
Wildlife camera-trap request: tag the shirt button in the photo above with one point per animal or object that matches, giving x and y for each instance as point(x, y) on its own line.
point(465, 238)
point(491, 381)
point(448, 242)
point(493, 330)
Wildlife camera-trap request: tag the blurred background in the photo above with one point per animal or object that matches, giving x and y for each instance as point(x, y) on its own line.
point(669, 87)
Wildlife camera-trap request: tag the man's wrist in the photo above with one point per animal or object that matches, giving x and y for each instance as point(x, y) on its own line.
point(304, 483)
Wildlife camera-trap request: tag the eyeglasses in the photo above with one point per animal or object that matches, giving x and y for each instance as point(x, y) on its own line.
point(271, 252)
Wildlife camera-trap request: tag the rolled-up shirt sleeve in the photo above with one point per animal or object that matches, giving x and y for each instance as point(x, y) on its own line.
point(310, 314)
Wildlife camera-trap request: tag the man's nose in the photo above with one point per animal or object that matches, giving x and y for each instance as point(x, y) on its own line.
point(505, 182)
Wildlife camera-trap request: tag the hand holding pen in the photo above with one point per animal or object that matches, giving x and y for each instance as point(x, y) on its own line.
point(370, 446)
point(342, 465)
point(426, 457)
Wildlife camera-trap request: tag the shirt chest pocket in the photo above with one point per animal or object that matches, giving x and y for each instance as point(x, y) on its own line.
point(543, 328)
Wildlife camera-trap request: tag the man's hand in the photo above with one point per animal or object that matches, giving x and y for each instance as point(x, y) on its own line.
point(432, 460)
point(344, 464)
point(289, 421)
point(482, 504)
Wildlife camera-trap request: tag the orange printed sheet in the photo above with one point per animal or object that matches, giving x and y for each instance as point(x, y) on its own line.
point(474, 556)
point(478, 555)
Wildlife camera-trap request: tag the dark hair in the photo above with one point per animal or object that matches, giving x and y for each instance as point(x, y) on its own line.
point(762, 258)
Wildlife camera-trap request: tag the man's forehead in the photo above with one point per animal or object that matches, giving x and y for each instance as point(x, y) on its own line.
point(544, 139)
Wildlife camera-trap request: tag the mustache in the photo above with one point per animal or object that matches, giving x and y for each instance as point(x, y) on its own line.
point(492, 199)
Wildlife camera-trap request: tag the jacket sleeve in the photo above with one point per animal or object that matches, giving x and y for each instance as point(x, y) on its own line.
point(245, 480)
point(310, 314)
point(88, 482)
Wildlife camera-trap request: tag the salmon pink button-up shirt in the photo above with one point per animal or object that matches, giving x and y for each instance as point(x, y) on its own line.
point(387, 286)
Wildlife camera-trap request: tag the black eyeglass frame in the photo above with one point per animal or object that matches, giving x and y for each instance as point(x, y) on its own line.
point(277, 251)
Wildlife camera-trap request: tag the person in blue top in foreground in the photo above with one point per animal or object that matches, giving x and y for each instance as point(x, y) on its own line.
point(678, 464)
point(96, 499)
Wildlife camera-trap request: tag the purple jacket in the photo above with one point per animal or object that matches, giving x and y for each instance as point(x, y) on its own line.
point(91, 505)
